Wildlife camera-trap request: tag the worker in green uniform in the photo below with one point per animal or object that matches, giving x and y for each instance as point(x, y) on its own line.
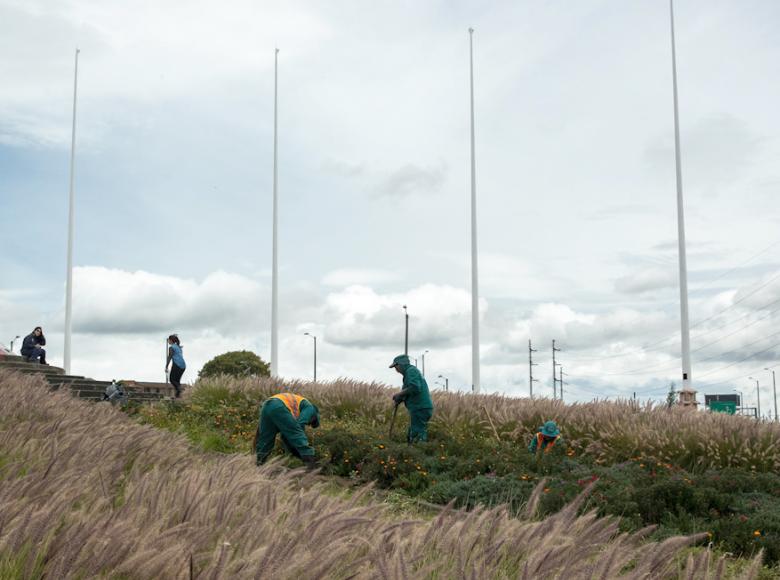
point(546, 439)
point(287, 414)
point(416, 397)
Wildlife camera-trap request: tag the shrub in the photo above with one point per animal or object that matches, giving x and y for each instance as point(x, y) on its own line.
point(241, 363)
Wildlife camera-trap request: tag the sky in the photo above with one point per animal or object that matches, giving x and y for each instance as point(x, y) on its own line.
point(577, 218)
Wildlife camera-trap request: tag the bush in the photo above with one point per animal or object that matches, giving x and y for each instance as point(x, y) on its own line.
point(240, 363)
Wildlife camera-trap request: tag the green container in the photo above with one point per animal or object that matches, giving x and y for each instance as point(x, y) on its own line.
point(729, 407)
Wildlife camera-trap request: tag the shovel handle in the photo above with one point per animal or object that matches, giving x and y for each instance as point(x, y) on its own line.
point(392, 421)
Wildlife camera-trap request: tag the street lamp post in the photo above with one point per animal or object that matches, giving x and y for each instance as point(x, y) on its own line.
point(758, 398)
point(774, 391)
point(423, 363)
point(13, 340)
point(446, 382)
point(741, 397)
point(406, 331)
point(315, 354)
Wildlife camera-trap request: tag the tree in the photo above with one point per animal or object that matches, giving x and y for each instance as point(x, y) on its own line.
point(671, 397)
point(239, 363)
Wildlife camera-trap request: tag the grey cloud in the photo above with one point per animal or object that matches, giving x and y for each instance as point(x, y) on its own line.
point(716, 150)
point(411, 179)
point(647, 280)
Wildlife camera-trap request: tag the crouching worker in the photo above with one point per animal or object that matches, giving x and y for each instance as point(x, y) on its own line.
point(287, 414)
point(416, 397)
point(546, 439)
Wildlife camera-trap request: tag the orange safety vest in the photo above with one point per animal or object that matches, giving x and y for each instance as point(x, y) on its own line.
point(292, 402)
point(540, 439)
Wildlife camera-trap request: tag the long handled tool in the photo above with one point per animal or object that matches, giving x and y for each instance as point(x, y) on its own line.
point(392, 421)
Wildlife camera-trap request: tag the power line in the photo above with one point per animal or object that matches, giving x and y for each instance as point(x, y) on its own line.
point(703, 333)
point(739, 361)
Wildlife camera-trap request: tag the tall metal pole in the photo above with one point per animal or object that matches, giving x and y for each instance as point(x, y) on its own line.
point(684, 324)
point(406, 331)
point(423, 362)
point(774, 391)
point(71, 216)
point(531, 365)
point(474, 272)
point(275, 266)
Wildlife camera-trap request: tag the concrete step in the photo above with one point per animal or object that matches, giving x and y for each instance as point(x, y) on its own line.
point(11, 358)
point(26, 367)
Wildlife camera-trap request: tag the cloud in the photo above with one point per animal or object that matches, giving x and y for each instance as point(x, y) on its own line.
point(109, 301)
point(411, 179)
point(716, 150)
point(647, 279)
point(361, 317)
point(355, 276)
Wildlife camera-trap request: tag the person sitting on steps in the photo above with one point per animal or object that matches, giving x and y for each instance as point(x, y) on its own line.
point(31, 346)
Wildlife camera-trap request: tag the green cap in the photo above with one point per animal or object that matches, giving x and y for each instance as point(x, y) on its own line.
point(401, 359)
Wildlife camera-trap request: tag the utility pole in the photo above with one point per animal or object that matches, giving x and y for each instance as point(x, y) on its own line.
point(275, 259)
point(531, 365)
point(560, 381)
point(774, 391)
point(758, 398)
point(446, 383)
point(555, 381)
point(406, 332)
point(71, 212)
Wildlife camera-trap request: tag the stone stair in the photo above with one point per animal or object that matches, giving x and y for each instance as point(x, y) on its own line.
point(83, 387)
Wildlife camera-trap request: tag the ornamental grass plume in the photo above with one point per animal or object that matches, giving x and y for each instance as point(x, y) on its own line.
point(87, 492)
point(609, 431)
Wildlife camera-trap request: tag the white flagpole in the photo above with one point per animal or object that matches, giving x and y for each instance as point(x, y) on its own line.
point(684, 323)
point(275, 267)
point(474, 276)
point(69, 278)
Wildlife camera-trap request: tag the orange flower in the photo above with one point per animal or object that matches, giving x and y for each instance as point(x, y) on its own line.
point(757, 533)
point(546, 490)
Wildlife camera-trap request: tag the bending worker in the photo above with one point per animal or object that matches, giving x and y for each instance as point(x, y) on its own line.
point(416, 397)
point(287, 414)
point(546, 438)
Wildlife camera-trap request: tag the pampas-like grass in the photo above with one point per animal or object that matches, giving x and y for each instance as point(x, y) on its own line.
point(94, 494)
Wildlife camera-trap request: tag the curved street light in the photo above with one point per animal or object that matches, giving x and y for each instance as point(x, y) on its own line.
point(315, 354)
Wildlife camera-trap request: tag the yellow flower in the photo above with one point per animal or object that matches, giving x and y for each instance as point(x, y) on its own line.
point(757, 533)
point(381, 446)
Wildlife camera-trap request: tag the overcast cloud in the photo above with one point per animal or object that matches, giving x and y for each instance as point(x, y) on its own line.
point(575, 177)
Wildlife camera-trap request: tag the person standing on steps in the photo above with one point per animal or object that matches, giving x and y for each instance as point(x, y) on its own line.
point(416, 397)
point(176, 360)
point(31, 347)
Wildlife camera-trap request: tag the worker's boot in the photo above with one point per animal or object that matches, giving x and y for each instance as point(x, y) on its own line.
point(310, 462)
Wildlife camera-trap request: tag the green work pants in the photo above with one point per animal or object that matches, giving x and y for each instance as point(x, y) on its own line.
point(275, 418)
point(418, 425)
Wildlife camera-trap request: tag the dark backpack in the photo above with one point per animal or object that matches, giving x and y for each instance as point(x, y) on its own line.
point(115, 394)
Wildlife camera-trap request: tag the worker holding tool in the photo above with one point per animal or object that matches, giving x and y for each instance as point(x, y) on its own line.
point(546, 438)
point(416, 397)
point(287, 414)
